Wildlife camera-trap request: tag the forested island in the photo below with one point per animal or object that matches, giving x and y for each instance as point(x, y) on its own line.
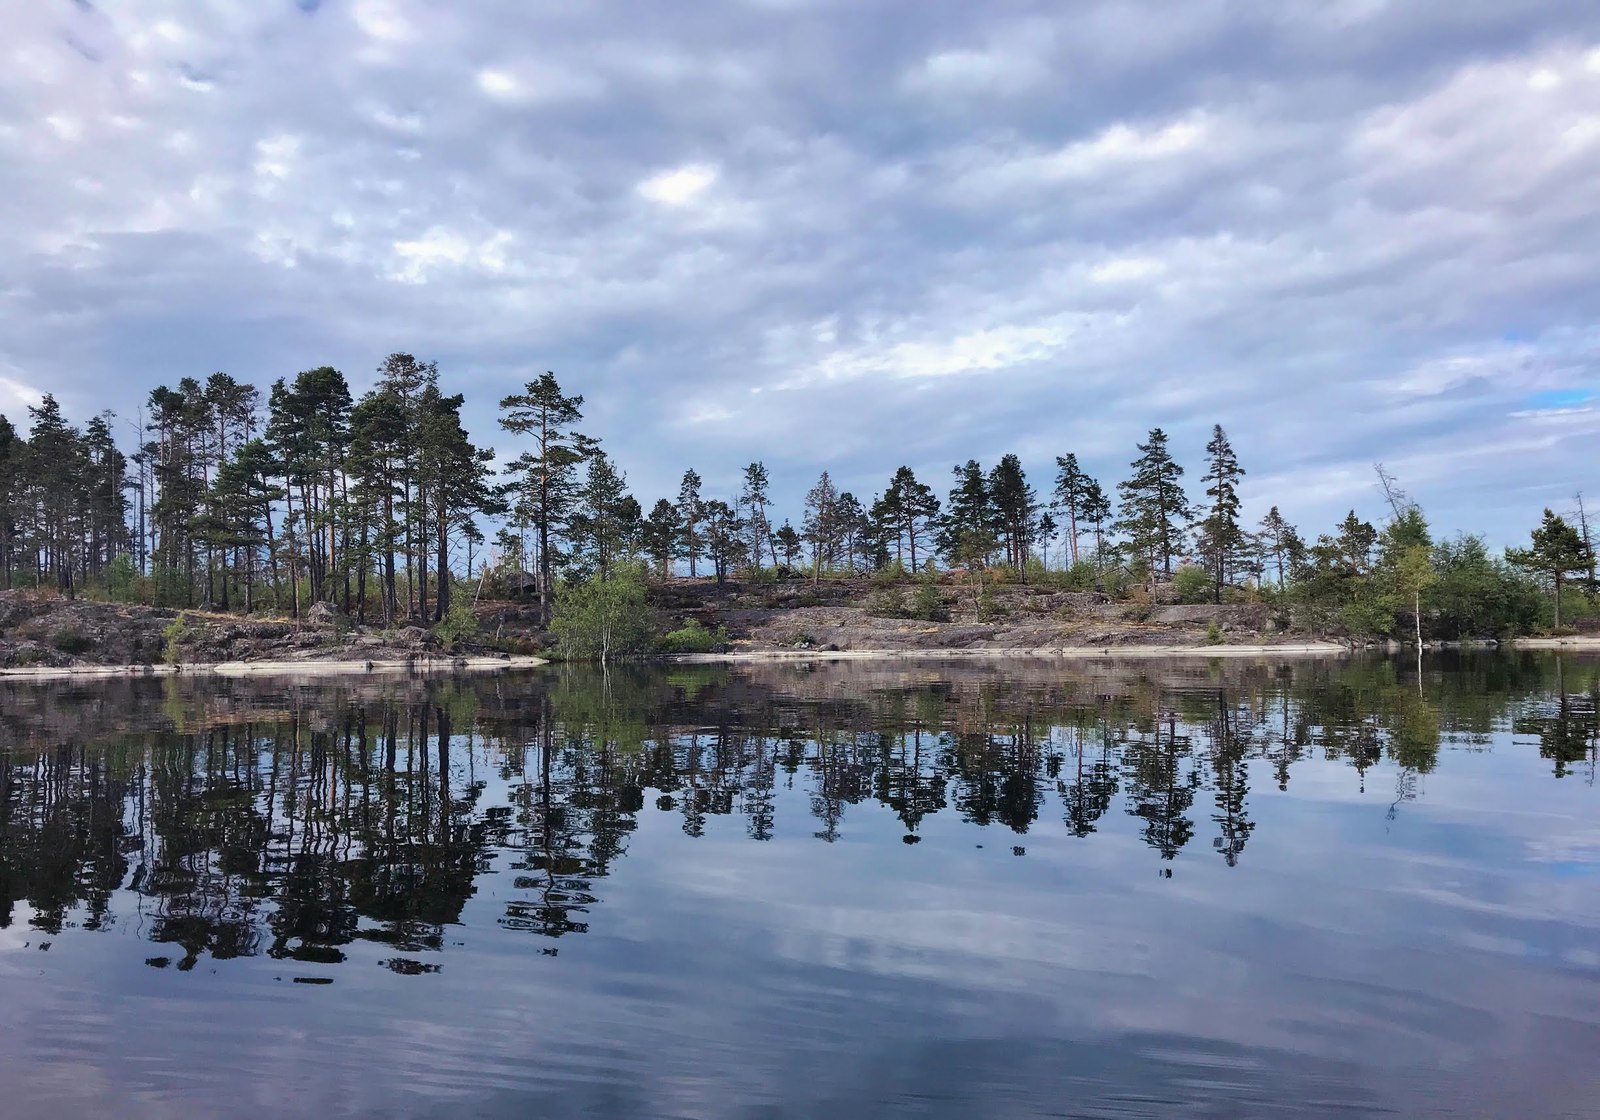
point(239, 522)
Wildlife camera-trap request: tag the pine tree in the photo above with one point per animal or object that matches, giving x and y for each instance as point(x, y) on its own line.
point(725, 540)
point(545, 475)
point(11, 449)
point(382, 445)
point(1221, 537)
point(309, 427)
point(1096, 511)
point(179, 418)
point(852, 518)
point(247, 492)
point(452, 479)
point(1155, 510)
point(1044, 533)
point(821, 525)
point(691, 512)
point(1281, 541)
point(969, 530)
point(1015, 508)
point(909, 507)
point(603, 523)
point(1558, 551)
point(754, 499)
point(53, 470)
point(1072, 490)
point(403, 378)
point(789, 542)
point(660, 534)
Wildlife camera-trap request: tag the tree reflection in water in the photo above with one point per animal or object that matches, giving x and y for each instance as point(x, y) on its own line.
point(228, 819)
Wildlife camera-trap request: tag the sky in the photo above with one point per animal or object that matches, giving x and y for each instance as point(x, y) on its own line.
point(844, 234)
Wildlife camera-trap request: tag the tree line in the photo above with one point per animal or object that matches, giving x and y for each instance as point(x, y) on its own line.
point(378, 504)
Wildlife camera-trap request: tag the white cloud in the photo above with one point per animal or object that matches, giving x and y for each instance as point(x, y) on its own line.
point(1014, 60)
point(15, 397)
point(441, 249)
point(1018, 236)
point(679, 186)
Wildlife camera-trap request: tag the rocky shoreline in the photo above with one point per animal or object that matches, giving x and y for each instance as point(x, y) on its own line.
point(43, 636)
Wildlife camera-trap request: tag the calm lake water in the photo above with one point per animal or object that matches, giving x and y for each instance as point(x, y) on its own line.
point(999, 889)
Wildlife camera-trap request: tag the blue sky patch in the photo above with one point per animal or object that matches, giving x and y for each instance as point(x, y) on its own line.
point(1560, 398)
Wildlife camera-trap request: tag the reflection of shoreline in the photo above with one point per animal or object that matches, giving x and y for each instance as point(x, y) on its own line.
point(1096, 653)
point(294, 820)
point(420, 666)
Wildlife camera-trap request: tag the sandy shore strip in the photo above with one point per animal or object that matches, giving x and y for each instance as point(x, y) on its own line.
point(422, 666)
point(1072, 653)
point(1581, 644)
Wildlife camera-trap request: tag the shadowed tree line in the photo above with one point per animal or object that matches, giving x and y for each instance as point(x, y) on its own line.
point(235, 499)
point(235, 821)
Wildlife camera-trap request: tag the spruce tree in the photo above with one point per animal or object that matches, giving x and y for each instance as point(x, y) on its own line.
point(788, 542)
point(601, 525)
point(1221, 537)
point(969, 530)
point(1155, 510)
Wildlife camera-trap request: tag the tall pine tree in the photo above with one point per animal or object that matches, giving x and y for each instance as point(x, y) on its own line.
point(1155, 510)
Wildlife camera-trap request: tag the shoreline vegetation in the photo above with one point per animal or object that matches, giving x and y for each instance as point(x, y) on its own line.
point(310, 526)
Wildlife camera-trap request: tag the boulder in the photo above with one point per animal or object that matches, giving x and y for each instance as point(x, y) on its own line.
point(324, 614)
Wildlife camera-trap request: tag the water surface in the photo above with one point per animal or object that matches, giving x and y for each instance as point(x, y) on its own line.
point(997, 889)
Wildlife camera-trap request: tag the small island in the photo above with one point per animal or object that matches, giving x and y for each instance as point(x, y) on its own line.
point(320, 530)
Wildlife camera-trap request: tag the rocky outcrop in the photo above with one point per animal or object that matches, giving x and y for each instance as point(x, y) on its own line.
point(38, 631)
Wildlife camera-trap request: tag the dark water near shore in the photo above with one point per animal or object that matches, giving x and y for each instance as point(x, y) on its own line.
point(851, 890)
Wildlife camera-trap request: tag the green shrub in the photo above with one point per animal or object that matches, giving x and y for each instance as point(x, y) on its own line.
point(692, 637)
point(122, 580)
point(888, 603)
point(1191, 584)
point(928, 603)
point(1214, 634)
point(69, 639)
point(603, 618)
point(1082, 576)
point(176, 633)
point(459, 624)
point(1114, 583)
point(989, 609)
point(889, 575)
point(757, 576)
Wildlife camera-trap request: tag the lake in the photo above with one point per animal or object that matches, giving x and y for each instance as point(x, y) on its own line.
point(860, 889)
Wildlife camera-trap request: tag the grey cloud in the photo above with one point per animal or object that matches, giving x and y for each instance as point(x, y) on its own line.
point(835, 237)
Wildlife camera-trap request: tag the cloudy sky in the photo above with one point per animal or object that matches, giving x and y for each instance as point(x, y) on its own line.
point(843, 233)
